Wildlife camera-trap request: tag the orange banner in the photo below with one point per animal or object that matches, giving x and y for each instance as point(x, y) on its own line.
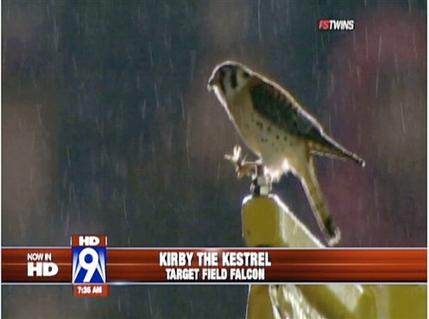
point(170, 265)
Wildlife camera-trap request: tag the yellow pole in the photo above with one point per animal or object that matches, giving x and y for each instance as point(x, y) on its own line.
point(267, 222)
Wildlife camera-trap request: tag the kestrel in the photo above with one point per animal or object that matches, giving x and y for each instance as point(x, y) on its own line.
point(279, 131)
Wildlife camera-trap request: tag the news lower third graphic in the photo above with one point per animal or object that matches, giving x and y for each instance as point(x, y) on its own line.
point(91, 267)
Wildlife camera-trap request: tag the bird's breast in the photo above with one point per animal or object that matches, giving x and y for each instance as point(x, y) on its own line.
point(244, 118)
point(278, 149)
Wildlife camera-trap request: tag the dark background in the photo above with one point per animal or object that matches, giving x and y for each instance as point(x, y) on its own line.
point(107, 127)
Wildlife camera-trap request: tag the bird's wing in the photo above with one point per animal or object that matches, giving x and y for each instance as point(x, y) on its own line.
point(279, 107)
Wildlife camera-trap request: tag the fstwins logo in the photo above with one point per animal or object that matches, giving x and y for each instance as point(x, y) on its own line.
point(336, 25)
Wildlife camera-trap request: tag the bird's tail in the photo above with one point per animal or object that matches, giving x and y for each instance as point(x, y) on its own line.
point(318, 204)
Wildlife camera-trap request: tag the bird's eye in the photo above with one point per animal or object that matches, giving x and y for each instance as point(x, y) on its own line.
point(245, 75)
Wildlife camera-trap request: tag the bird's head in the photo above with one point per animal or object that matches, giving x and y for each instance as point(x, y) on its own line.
point(229, 78)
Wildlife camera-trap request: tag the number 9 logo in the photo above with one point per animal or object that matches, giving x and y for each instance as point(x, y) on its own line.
point(91, 266)
point(90, 260)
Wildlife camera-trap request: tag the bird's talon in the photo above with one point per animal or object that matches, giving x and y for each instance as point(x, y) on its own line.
point(242, 167)
point(245, 169)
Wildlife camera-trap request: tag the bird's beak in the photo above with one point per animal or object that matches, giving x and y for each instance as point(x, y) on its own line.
point(212, 82)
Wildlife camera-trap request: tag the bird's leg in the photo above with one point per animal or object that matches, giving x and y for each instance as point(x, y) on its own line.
point(242, 167)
